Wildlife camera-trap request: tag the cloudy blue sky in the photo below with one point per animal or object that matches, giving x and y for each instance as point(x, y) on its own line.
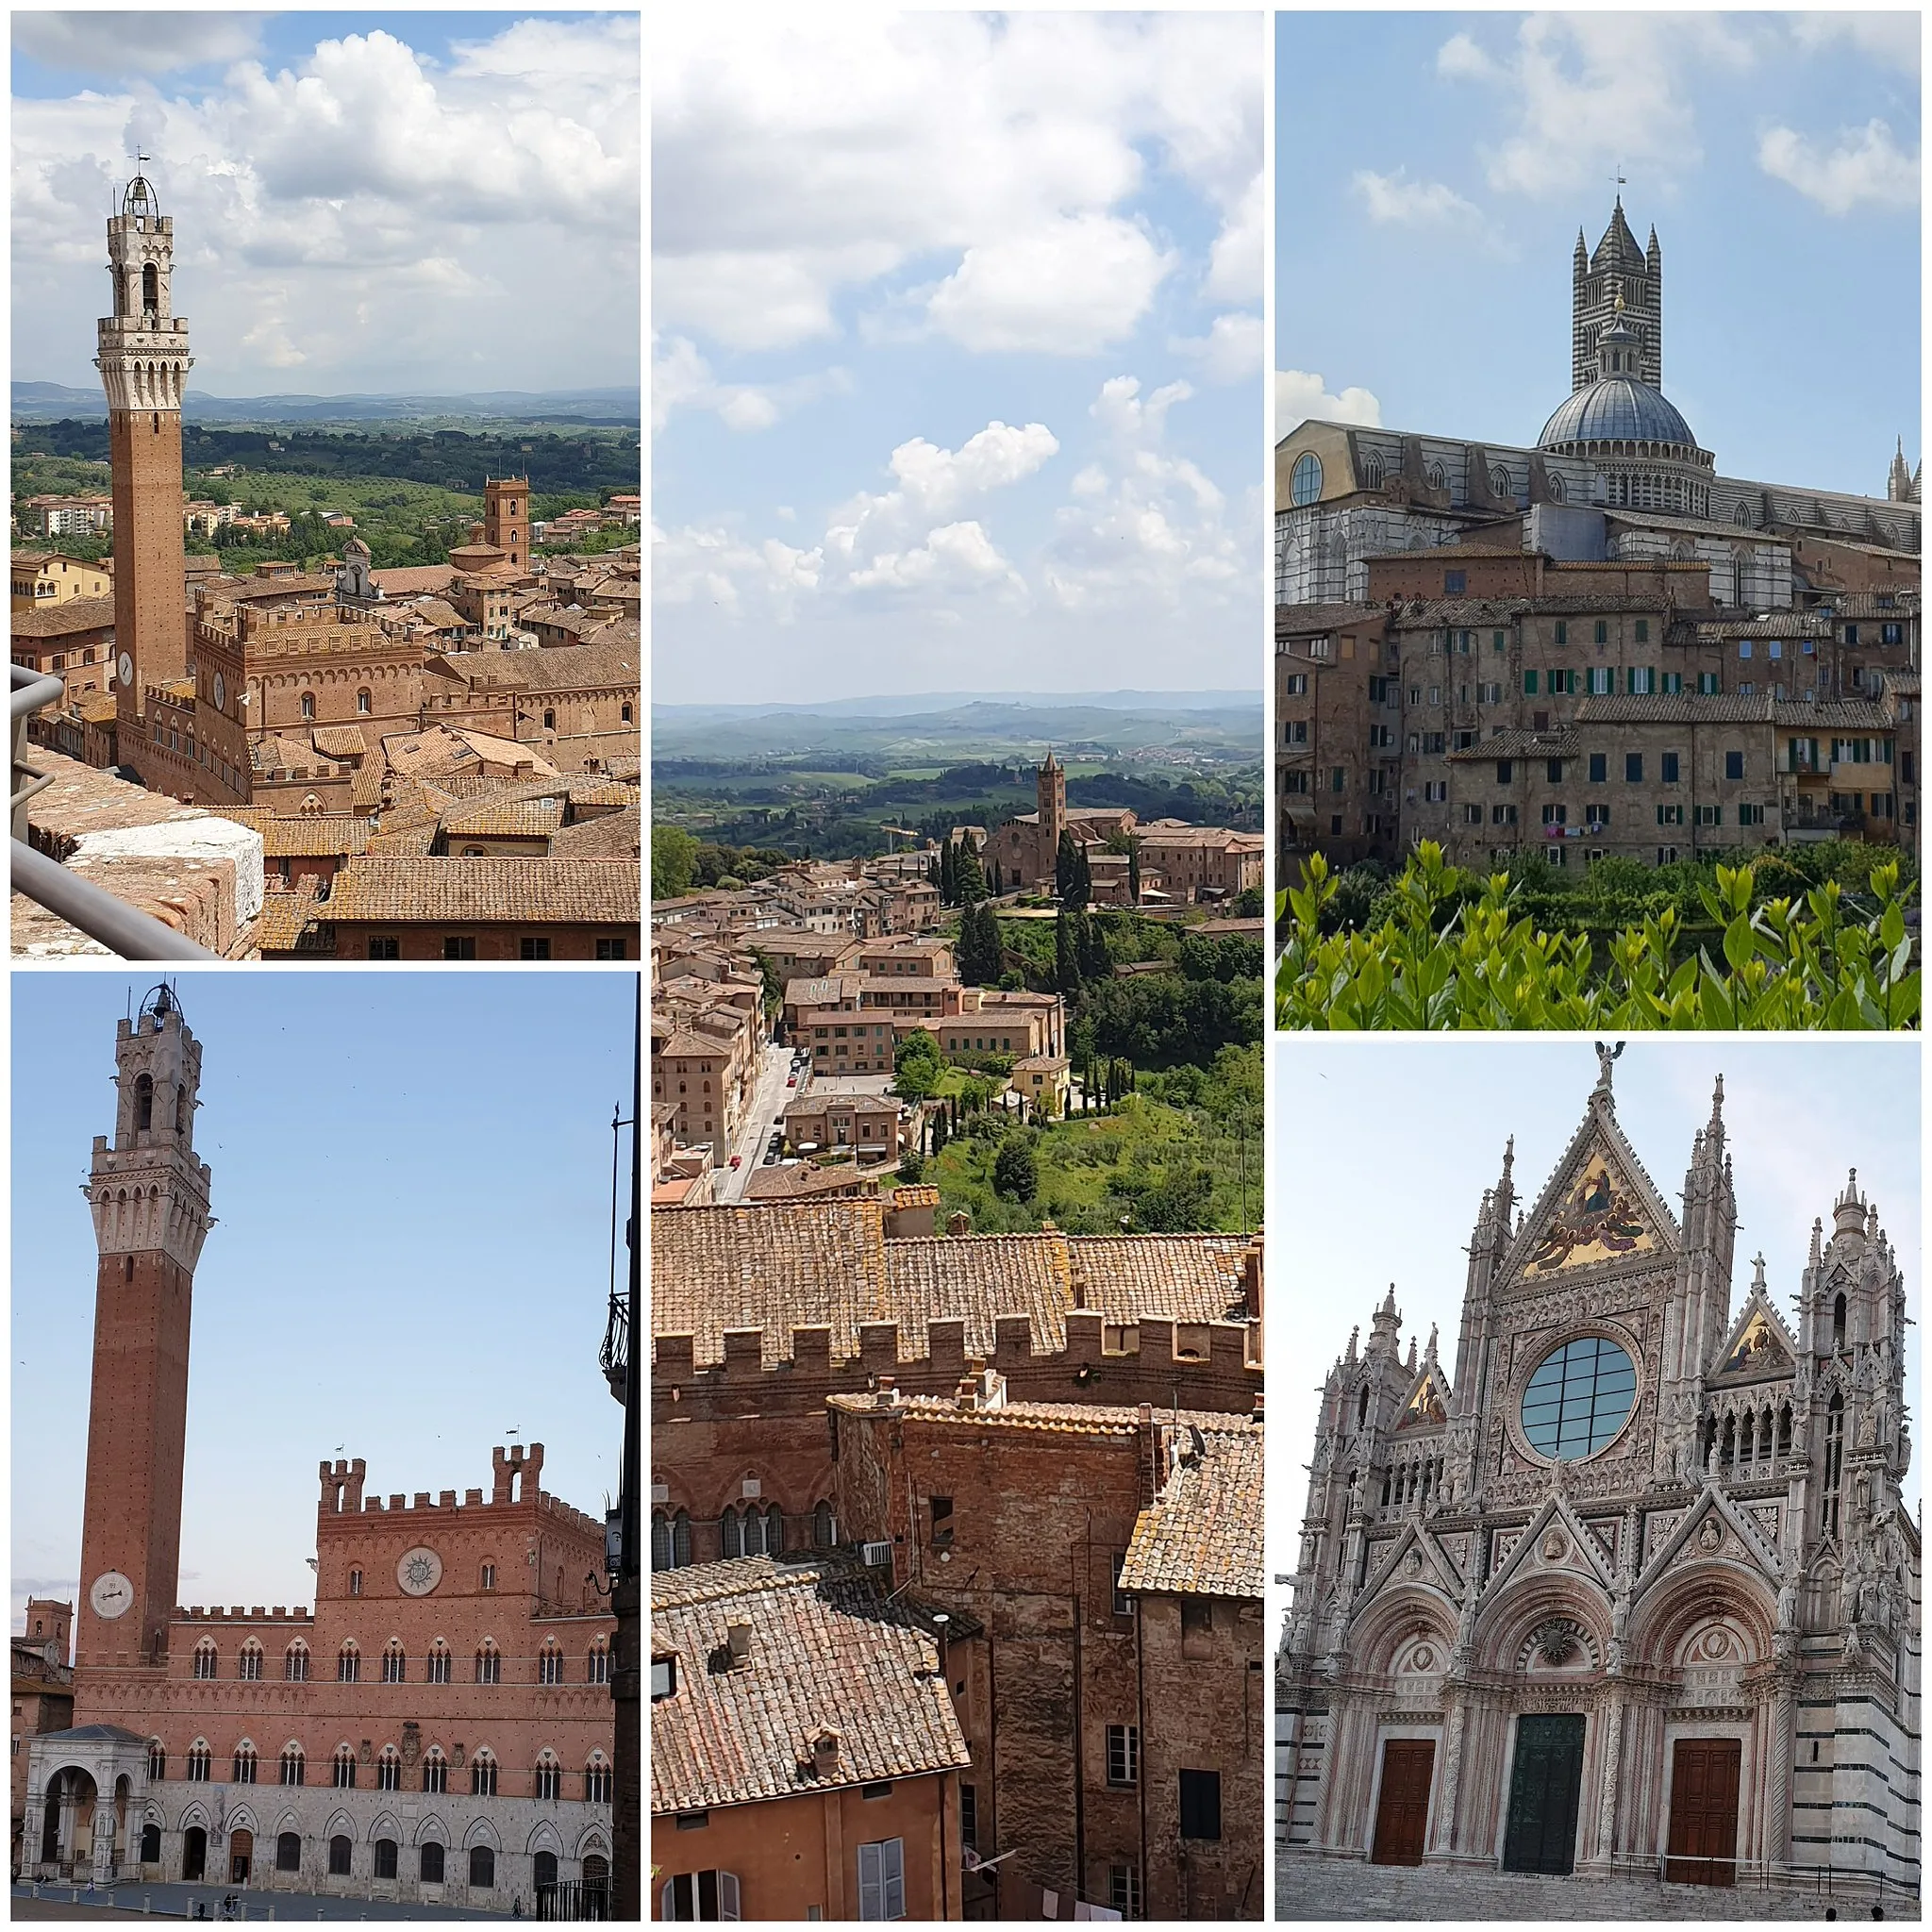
point(1432, 169)
point(956, 352)
point(1799, 1114)
point(412, 1194)
point(361, 202)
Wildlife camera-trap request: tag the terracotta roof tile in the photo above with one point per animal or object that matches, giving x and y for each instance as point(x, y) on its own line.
point(63, 619)
point(778, 1267)
point(529, 891)
point(827, 1651)
point(1203, 1535)
point(494, 818)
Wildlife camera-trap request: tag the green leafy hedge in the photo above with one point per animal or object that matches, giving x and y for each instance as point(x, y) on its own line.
point(1453, 950)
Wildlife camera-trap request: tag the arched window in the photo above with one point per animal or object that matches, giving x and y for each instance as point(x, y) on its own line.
point(623, 711)
point(1838, 1322)
point(429, 1863)
point(151, 287)
point(244, 1762)
point(482, 1868)
point(489, 1576)
point(362, 703)
point(355, 1583)
point(385, 1857)
point(437, 1662)
point(151, 1843)
point(349, 1664)
point(597, 1779)
point(181, 1110)
point(308, 704)
point(249, 1664)
point(549, 1776)
point(489, 1663)
point(1372, 469)
point(550, 1663)
point(393, 1661)
point(550, 721)
point(597, 1665)
point(824, 1526)
point(1305, 481)
point(340, 1853)
point(671, 1539)
point(294, 1764)
point(483, 1776)
point(296, 1662)
point(205, 1658)
point(435, 1770)
point(143, 1104)
point(1784, 1430)
point(200, 1762)
point(389, 1770)
point(289, 1852)
point(344, 1769)
point(1361, 1412)
point(544, 1871)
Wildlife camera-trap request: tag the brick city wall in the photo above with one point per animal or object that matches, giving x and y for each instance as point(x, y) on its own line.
point(713, 1428)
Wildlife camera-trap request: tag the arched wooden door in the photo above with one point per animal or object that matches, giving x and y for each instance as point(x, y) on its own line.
point(240, 1855)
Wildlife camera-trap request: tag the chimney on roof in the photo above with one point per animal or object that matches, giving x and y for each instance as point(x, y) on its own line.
point(825, 1753)
point(737, 1639)
point(958, 1223)
point(884, 1395)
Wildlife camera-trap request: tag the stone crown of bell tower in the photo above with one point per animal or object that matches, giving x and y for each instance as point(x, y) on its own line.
point(143, 356)
point(148, 1191)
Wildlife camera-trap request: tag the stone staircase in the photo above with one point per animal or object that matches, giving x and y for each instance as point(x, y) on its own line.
point(1334, 1888)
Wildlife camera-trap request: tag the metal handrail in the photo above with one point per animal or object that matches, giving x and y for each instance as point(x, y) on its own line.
point(121, 928)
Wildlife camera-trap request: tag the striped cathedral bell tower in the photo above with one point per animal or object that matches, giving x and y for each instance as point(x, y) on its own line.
point(145, 362)
point(149, 1197)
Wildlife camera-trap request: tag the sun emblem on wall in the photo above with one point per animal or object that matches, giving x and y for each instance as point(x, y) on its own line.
point(419, 1571)
point(1597, 1222)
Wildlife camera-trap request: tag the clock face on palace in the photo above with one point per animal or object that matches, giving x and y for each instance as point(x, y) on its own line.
point(111, 1594)
point(419, 1572)
point(127, 668)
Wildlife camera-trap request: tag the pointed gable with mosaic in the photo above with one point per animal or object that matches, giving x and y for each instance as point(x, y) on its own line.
point(1605, 1561)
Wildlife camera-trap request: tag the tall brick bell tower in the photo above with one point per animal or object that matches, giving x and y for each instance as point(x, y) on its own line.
point(149, 1197)
point(145, 362)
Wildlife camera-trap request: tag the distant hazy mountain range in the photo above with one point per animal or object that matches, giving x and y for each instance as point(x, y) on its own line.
point(951, 726)
point(936, 701)
point(47, 402)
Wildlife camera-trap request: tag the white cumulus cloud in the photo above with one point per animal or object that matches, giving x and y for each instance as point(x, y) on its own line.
point(1229, 351)
point(1301, 397)
point(1865, 169)
point(813, 160)
point(1395, 198)
point(1583, 90)
point(380, 220)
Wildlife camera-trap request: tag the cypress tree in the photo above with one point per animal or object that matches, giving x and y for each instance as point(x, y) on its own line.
point(1134, 870)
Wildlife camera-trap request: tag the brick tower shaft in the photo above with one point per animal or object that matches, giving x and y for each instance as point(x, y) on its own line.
point(143, 361)
point(148, 1195)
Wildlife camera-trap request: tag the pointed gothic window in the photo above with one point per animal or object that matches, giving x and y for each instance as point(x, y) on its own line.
point(250, 1662)
point(345, 1767)
point(144, 1107)
point(295, 1664)
point(389, 1770)
point(1834, 1457)
point(437, 1662)
point(294, 1764)
point(435, 1770)
point(205, 1658)
point(200, 1761)
point(1838, 1322)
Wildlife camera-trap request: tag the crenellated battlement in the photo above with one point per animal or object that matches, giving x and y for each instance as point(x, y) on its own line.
point(196, 1613)
point(515, 1472)
point(806, 1352)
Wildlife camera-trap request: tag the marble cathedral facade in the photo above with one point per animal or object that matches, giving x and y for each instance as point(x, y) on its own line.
point(1633, 1595)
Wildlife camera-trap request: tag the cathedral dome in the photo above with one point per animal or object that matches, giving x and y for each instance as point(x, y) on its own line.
point(1617, 408)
